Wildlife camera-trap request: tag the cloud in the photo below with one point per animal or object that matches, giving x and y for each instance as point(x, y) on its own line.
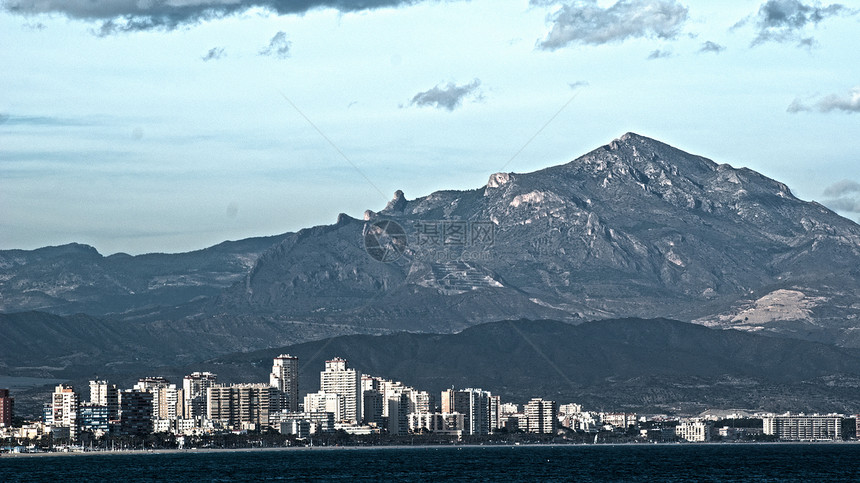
point(851, 205)
point(45, 121)
point(841, 188)
point(278, 47)
point(843, 196)
point(448, 97)
point(659, 54)
point(214, 53)
point(116, 16)
point(848, 103)
point(712, 47)
point(586, 22)
point(786, 20)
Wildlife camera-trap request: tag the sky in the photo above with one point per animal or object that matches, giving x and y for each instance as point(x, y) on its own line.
point(143, 126)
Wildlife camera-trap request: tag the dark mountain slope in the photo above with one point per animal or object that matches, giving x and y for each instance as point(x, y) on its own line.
point(629, 363)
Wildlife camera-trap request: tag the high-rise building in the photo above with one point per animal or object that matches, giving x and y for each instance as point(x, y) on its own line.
point(194, 392)
point(338, 378)
point(94, 418)
point(285, 377)
point(6, 406)
point(135, 412)
point(64, 409)
point(241, 405)
point(474, 405)
point(104, 394)
point(166, 398)
point(398, 413)
point(323, 402)
point(372, 407)
point(541, 416)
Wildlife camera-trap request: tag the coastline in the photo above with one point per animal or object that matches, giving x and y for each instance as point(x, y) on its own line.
point(169, 451)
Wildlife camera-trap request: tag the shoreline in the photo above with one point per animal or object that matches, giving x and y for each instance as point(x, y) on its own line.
point(167, 451)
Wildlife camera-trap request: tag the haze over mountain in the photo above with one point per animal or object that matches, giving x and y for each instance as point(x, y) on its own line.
point(630, 364)
point(635, 228)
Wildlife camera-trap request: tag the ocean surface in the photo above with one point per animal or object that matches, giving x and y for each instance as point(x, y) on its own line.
point(676, 462)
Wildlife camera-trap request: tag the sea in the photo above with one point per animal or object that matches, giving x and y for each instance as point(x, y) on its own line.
point(634, 463)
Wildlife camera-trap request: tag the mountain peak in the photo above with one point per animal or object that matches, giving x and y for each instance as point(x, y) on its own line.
point(398, 203)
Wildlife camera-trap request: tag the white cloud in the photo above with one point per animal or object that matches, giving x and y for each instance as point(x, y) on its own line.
point(586, 22)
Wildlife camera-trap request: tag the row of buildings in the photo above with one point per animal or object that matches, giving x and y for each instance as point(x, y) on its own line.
point(347, 400)
point(356, 403)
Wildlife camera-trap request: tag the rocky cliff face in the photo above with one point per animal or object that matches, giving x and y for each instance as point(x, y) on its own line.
point(634, 228)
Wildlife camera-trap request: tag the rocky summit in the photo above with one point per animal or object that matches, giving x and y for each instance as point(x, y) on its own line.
point(635, 228)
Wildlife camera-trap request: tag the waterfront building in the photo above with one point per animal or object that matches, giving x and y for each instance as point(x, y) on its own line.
point(167, 399)
point(619, 421)
point(323, 402)
point(398, 413)
point(6, 407)
point(440, 423)
point(135, 412)
point(372, 408)
point(338, 378)
point(285, 377)
point(803, 428)
point(94, 418)
point(540, 416)
point(105, 394)
point(297, 422)
point(194, 394)
point(474, 405)
point(241, 405)
point(64, 409)
point(694, 430)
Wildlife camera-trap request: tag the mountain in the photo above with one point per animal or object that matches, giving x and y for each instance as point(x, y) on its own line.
point(630, 364)
point(75, 278)
point(634, 228)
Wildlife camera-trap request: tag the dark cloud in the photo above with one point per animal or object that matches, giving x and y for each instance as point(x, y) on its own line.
point(786, 20)
point(851, 205)
point(214, 53)
point(712, 47)
point(843, 196)
point(586, 22)
point(841, 188)
point(447, 97)
point(116, 16)
point(659, 54)
point(848, 103)
point(278, 47)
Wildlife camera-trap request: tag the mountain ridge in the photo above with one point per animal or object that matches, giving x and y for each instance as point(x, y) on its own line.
point(632, 228)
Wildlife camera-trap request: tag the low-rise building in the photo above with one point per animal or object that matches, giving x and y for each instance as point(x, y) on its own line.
point(440, 423)
point(694, 430)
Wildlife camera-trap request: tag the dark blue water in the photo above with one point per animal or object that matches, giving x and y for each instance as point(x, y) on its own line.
point(729, 462)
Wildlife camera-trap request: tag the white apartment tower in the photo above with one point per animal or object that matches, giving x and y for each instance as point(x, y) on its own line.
point(337, 378)
point(285, 378)
point(194, 388)
point(104, 394)
point(64, 409)
point(541, 416)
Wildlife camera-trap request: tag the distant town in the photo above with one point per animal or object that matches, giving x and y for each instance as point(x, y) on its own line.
point(355, 408)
